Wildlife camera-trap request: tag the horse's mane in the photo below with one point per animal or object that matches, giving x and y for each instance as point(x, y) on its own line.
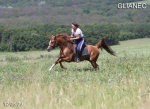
point(68, 42)
point(65, 36)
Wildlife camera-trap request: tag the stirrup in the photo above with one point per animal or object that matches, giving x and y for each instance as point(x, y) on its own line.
point(78, 60)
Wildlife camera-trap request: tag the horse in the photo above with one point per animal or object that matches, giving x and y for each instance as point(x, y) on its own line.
point(67, 51)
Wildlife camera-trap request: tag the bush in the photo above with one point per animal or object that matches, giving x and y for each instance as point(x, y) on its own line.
point(94, 32)
point(34, 37)
point(29, 38)
point(127, 36)
point(3, 47)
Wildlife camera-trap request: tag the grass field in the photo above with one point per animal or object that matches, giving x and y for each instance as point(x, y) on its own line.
point(123, 82)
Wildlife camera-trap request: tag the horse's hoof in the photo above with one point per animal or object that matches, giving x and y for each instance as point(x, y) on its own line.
point(65, 68)
point(96, 69)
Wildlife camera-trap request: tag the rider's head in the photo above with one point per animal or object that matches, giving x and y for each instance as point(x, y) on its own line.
point(74, 25)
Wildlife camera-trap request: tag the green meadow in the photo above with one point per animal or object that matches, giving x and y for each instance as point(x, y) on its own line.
point(122, 82)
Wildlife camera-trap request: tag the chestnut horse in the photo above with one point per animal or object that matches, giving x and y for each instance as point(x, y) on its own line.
point(67, 52)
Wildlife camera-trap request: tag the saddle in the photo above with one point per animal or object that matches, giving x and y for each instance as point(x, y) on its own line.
point(84, 50)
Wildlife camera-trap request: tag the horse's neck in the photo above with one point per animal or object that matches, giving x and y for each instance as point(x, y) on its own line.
point(62, 47)
point(66, 45)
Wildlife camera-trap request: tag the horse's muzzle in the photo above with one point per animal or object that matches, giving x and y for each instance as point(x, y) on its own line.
point(49, 49)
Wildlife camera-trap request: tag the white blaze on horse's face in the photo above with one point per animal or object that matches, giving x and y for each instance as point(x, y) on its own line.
point(49, 46)
point(50, 43)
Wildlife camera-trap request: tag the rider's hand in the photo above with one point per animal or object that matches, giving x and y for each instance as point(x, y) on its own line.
point(71, 39)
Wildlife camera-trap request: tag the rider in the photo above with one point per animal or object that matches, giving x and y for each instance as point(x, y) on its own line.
point(79, 38)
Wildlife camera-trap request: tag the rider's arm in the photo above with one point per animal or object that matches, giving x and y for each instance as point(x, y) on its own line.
point(78, 31)
point(78, 37)
point(72, 35)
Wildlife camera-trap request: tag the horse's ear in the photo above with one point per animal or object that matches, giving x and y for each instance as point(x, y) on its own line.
point(49, 35)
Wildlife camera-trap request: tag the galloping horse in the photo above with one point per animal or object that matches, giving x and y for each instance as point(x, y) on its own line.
point(67, 52)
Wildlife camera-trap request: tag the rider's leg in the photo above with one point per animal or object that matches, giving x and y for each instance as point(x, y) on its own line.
point(79, 47)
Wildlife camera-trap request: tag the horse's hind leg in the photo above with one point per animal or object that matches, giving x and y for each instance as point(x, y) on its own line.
point(62, 66)
point(95, 65)
point(93, 59)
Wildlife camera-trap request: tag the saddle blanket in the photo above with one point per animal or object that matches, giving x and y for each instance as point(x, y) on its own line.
point(84, 50)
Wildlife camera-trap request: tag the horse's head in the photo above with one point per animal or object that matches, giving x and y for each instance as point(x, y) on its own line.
point(52, 43)
point(61, 40)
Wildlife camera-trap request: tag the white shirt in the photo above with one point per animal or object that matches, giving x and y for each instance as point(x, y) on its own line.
point(77, 32)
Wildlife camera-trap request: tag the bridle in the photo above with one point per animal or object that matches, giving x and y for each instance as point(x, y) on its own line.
point(54, 42)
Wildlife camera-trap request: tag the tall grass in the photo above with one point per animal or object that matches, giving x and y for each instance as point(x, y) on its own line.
point(123, 82)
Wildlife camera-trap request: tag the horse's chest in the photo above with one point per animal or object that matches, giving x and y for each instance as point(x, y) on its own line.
point(66, 51)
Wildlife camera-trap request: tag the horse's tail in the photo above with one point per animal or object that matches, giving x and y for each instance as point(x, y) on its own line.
point(103, 44)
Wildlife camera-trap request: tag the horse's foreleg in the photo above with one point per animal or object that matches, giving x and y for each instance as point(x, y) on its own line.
point(53, 65)
point(62, 66)
point(59, 61)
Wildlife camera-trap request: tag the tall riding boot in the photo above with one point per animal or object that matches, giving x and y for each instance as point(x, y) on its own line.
point(78, 56)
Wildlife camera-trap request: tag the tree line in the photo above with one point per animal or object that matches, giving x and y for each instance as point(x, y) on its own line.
point(36, 37)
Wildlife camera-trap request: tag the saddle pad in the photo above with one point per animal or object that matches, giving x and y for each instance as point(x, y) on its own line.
point(83, 52)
